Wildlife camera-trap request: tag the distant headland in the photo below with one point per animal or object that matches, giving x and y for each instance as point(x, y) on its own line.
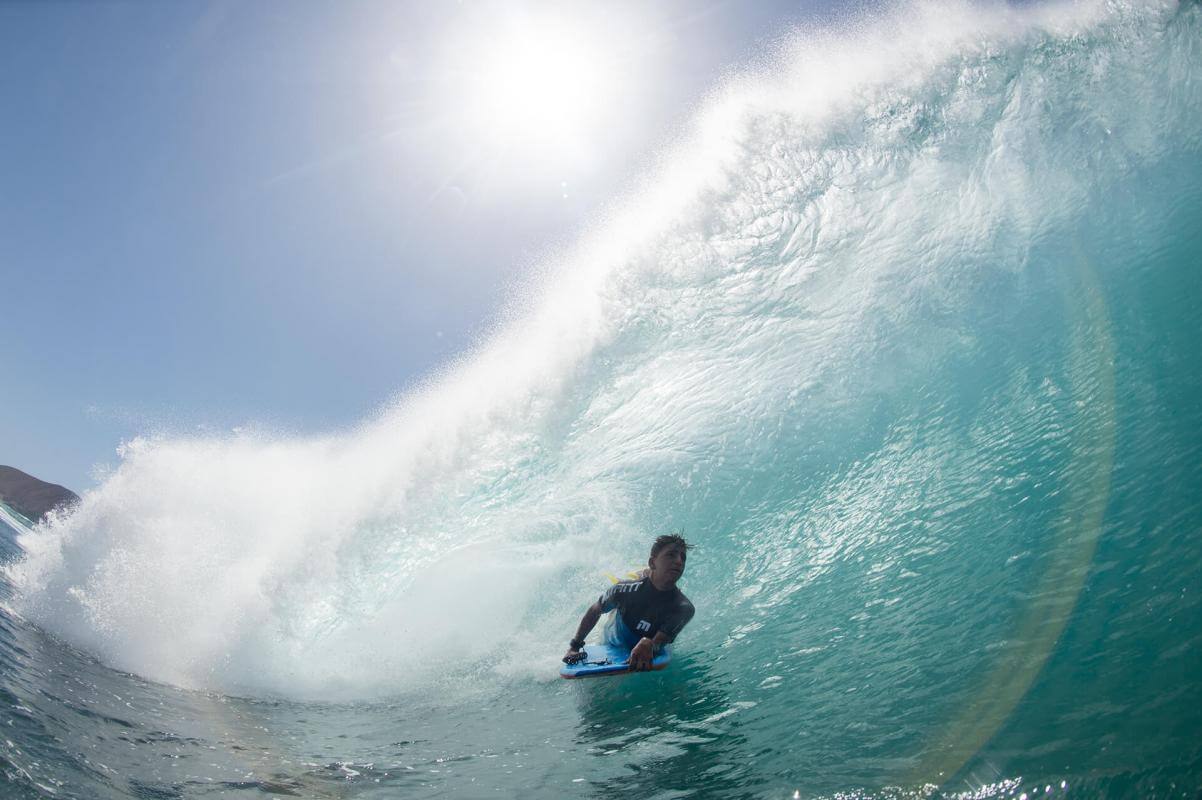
point(30, 497)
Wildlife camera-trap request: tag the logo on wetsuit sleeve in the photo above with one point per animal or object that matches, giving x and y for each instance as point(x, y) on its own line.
point(643, 625)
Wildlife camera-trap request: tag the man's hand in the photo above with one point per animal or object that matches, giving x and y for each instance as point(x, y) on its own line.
point(641, 655)
point(573, 656)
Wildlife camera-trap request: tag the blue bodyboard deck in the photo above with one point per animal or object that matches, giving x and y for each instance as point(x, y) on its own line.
point(603, 659)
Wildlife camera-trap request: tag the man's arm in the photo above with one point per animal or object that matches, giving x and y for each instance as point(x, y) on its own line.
point(587, 623)
point(644, 651)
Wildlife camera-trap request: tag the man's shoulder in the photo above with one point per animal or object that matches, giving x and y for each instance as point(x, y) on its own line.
point(683, 601)
point(629, 585)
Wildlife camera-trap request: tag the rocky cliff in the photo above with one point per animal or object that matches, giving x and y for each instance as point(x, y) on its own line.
point(31, 497)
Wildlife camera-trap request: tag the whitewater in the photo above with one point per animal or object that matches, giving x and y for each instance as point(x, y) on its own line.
point(902, 334)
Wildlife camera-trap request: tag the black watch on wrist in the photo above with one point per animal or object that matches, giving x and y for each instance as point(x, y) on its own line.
point(576, 644)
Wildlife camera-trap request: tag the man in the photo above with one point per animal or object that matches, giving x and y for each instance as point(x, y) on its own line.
point(651, 610)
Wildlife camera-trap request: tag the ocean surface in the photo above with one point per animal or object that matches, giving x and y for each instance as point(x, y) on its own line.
point(903, 333)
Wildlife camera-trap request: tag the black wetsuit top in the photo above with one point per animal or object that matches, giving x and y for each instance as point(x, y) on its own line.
point(645, 610)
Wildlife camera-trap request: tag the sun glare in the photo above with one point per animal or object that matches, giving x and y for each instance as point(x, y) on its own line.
point(549, 86)
point(547, 83)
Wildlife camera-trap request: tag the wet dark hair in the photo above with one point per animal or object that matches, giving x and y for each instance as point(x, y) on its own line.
point(669, 539)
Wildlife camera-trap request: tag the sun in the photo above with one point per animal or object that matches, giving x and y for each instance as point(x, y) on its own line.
point(547, 85)
point(548, 82)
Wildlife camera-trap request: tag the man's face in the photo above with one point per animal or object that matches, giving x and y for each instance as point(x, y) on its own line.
point(669, 563)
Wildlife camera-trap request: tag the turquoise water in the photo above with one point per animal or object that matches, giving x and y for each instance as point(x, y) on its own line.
point(903, 336)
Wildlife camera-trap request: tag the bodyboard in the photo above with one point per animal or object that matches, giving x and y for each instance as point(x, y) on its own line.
point(604, 659)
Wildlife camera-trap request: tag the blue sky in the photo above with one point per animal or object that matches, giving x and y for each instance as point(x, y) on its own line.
point(283, 214)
